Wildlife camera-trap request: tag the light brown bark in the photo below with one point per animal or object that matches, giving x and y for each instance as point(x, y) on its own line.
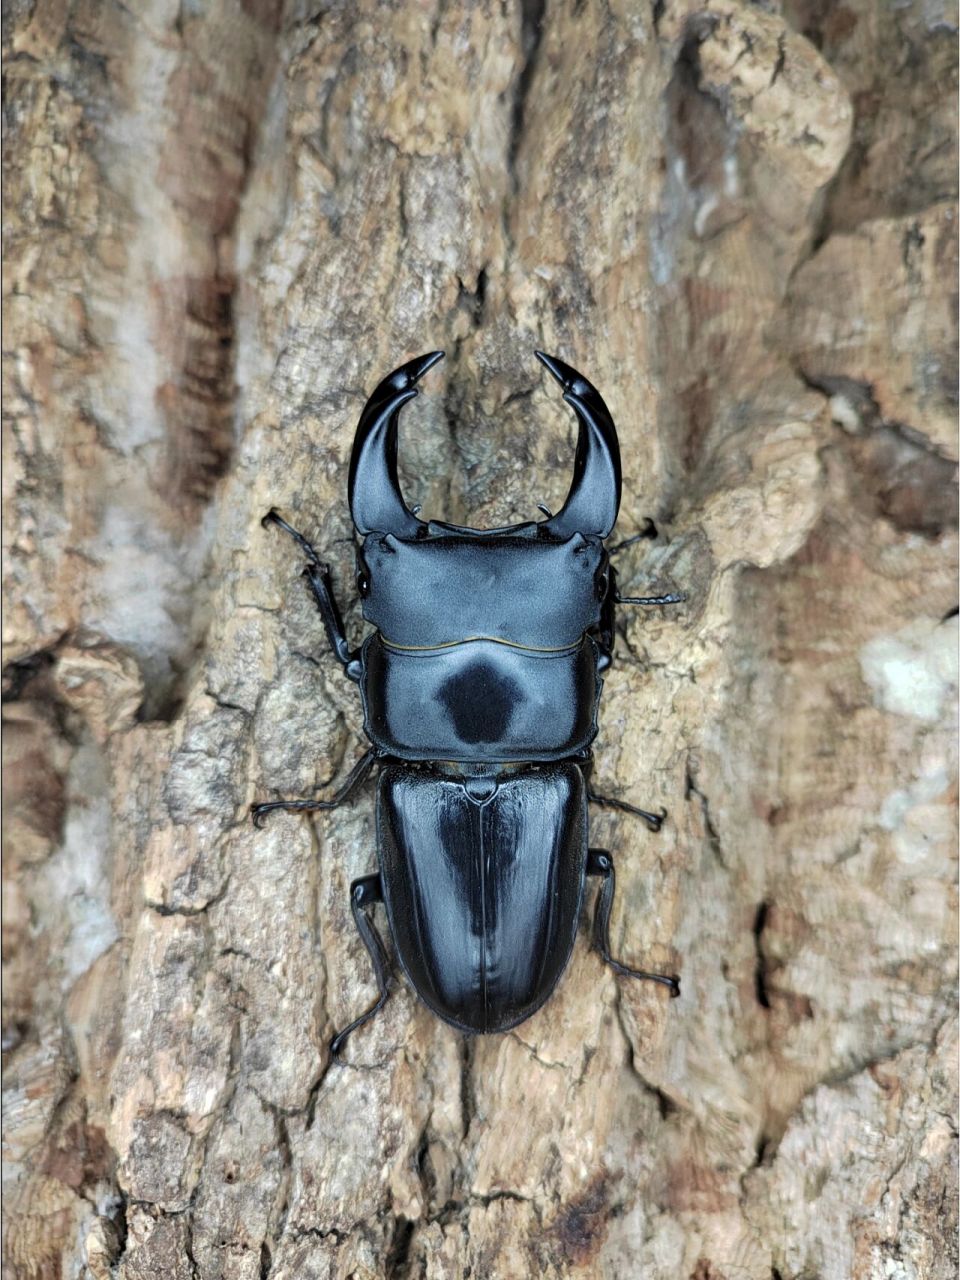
point(225, 223)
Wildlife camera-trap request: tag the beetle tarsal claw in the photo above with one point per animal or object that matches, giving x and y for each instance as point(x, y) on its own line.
point(660, 819)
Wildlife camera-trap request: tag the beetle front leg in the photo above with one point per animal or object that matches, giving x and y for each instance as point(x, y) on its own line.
point(321, 584)
point(353, 779)
point(600, 863)
point(365, 893)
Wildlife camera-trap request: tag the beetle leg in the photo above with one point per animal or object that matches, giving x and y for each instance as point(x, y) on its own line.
point(364, 893)
point(600, 863)
point(321, 585)
point(653, 820)
point(674, 597)
point(273, 516)
point(318, 575)
point(353, 779)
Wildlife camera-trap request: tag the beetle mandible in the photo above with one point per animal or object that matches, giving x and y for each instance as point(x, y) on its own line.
point(480, 687)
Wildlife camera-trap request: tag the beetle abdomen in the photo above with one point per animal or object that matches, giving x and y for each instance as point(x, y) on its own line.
point(480, 700)
point(483, 890)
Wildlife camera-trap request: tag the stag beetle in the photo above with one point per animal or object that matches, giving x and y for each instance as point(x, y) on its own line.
point(480, 686)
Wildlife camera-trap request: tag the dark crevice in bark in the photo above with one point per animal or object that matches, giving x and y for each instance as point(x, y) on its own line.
point(549, 1066)
point(860, 395)
point(760, 970)
point(21, 671)
point(313, 1098)
point(188, 1247)
point(766, 1148)
point(318, 1233)
point(666, 1106)
point(278, 1217)
point(531, 33)
point(468, 1107)
point(473, 301)
point(228, 706)
point(882, 103)
point(266, 1260)
point(32, 679)
point(901, 476)
point(396, 1265)
point(713, 838)
point(424, 1167)
point(164, 909)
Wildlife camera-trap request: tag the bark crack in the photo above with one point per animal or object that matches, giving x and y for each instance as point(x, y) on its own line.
point(713, 837)
point(531, 34)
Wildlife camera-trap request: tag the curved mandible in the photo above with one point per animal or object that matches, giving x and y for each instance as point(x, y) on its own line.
point(373, 488)
point(594, 498)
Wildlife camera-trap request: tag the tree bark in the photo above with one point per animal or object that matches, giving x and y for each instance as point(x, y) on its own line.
point(225, 222)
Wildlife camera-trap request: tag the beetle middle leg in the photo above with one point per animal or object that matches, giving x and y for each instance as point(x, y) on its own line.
point(653, 820)
point(365, 893)
point(353, 780)
point(600, 863)
point(317, 574)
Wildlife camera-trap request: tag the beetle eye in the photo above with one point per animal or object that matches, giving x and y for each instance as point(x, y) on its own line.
point(363, 583)
point(602, 583)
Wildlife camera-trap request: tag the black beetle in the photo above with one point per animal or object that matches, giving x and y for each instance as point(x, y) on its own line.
point(480, 686)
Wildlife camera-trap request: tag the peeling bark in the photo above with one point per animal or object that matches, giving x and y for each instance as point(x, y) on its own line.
point(225, 222)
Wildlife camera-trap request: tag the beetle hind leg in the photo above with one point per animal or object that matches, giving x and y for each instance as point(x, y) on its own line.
point(353, 780)
point(365, 893)
point(600, 863)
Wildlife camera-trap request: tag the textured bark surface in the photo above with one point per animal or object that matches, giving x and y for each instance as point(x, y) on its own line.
point(225, 221)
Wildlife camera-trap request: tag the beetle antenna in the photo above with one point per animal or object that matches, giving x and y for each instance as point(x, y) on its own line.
point(675, 597)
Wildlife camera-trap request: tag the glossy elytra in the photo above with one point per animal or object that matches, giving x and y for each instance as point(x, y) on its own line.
point(480, 684)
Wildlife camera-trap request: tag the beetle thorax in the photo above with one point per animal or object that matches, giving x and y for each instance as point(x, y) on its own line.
point(517, 590)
